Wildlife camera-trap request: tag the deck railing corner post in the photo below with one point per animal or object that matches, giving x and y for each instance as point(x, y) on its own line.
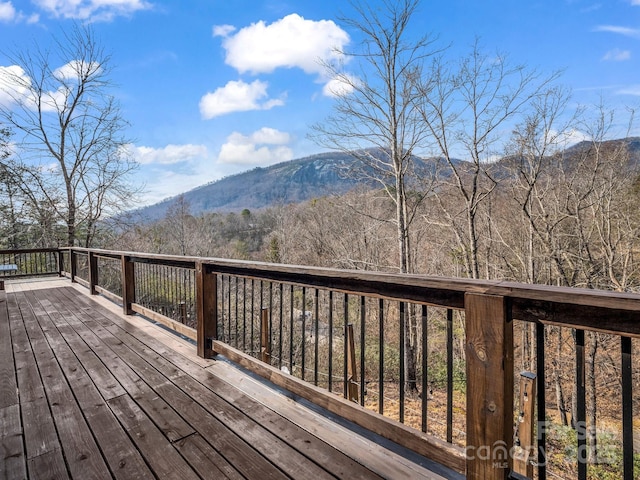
point(73, 263)
point(490, 369)
point(93, 272)
point(206, 309)
point(128, 285)
point(60, 262)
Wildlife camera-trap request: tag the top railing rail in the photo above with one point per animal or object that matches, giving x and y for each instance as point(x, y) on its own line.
point(597, 310)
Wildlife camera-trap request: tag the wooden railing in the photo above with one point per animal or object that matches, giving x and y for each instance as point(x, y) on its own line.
point(29, 262)
point(314, 331)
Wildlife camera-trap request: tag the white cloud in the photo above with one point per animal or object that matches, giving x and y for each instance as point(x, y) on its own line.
point(168, 183)
point(635, 3)
point(97, 10)
point(14, 85)
point(630, 90)
point(339, 86)
point(223, 30)
point(7, 12)
point(15, 88)
point(263, 147)
point(626, 31)
point(237, 96)
point(617, 55)
point(168, 155)
point(291, 42)
point(567, 138)
point(75, 70)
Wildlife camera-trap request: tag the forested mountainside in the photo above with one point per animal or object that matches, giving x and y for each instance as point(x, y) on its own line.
point(287, 182)
point(311, 177)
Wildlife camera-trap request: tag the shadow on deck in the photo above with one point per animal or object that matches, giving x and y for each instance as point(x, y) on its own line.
point(86, 392)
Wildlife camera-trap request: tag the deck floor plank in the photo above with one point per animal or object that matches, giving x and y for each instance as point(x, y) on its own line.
point(8, 383)
point(227, 437)
point(82, 454)
point(40, 437)
point(155, 406)
point(207, 462)
point(12, 455)
point(75, 358)
point(230, 415)
point(212, 392)
point(226, 441)
point(228, 402)
point(12, 458)
point(118, 397)
point(162, 457)
point(48, 466)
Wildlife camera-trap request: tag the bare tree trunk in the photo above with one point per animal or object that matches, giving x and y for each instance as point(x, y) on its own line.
point(592, 440)
point(557, 380)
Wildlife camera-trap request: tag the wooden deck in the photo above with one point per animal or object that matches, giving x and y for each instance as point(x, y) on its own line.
point(86, 392)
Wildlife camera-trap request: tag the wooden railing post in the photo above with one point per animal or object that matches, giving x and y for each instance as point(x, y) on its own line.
point(489, 358)
point(93, 273)
point(524, 449)
point(352, 387)
point(73, 262)
point(128, 285)
point(60, 262)
point(206, 309)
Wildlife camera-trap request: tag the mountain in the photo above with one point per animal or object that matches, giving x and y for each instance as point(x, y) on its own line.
point(287, 182)
point(316, 176)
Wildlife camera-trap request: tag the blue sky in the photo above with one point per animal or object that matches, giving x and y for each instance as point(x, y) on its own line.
point(215, 87)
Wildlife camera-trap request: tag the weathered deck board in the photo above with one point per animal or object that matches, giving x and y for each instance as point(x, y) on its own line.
point(86, 392)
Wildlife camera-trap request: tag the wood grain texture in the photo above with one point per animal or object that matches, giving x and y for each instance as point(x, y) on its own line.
point(206, 309)
point(489, 364)
point(433, 448)
point(181, 328)
point(12, 456)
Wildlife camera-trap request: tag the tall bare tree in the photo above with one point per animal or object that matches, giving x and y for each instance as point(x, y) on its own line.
point(69, 131)
point(375, 118)
point(466, 107)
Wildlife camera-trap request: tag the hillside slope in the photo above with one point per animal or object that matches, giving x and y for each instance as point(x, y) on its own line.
point(287, 182)
point(316, 176)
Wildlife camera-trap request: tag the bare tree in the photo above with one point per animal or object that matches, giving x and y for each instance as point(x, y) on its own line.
point(9, 229)
point(374, 115)
point(465, 108)
point(70, 131)
point(375, 118)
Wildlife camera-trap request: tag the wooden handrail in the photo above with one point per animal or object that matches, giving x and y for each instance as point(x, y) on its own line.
point(598, 310)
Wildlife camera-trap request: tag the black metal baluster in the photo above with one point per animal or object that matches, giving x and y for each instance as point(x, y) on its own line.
point(280, 353)
point(402, 360)
point(627, 408)
point(253, 314)
point(304, 329)
point(381, 356)
point(425, 345)
point(542, 408)
point(581, 425)
point(449, 375)
point(291, 329)
point(362, 348)
point(237, 317)
point(229, 306)
point(244, 314)
point(316, 349)
point(330, 369)
point(345, 372)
